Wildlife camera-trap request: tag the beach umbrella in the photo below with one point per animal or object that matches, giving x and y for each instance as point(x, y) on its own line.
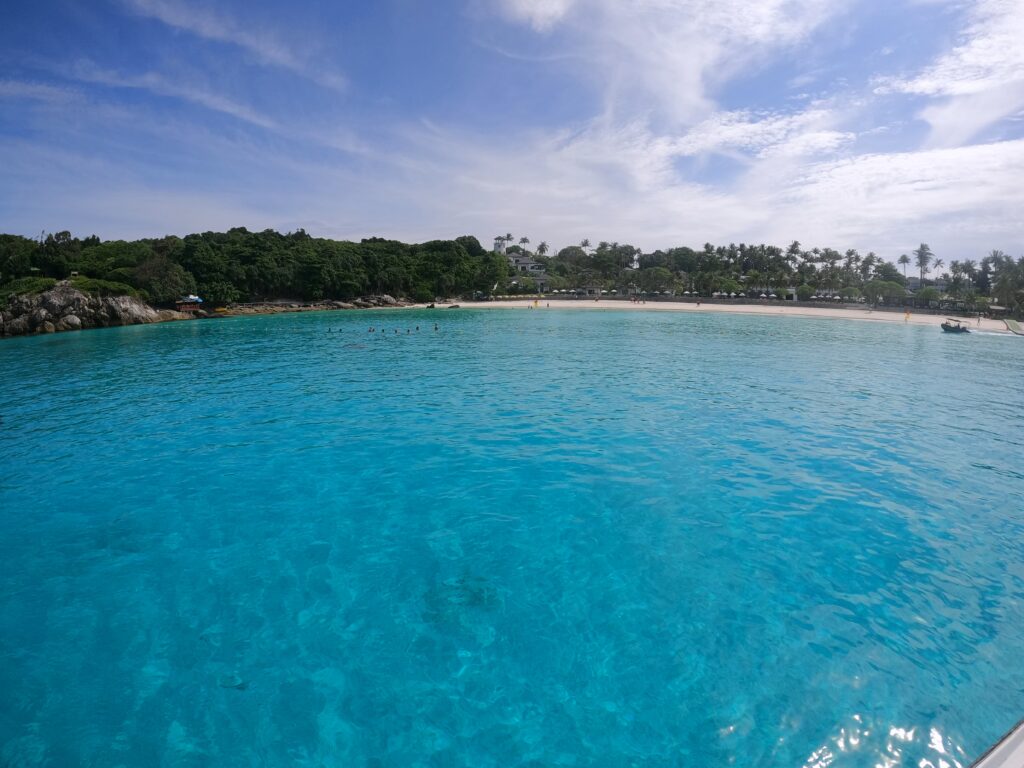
point(763, 296)
point(773, 296)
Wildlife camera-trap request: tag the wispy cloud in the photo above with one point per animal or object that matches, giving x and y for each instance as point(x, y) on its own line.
point(670, 55)
point(264, 46)
point(980, 81)
point(87, 71)
point(765, 134)
point(45, 92)
point(989, 55)
point(330, 136)
point(542, 15)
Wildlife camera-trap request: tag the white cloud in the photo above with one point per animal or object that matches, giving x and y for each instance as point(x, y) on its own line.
point(989, 55)
point(542, 15)
point(335, 136)
point(624, 185)
point(86, 71)
point(265, 46)
point(980, 81)
point(953, 197)
point(765, 134)
point(669, 55)
point(44, 92)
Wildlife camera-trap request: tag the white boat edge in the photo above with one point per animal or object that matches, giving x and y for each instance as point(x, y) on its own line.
point(1008, 752)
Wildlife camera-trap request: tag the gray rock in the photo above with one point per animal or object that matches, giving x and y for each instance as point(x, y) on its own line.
point(37, 317)
point(65, 308)
point(17, 327)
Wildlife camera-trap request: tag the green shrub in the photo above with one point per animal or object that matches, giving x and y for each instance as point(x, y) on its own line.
point(804, 292)
point(422, 294)
point(25, 285)
point(103, 287)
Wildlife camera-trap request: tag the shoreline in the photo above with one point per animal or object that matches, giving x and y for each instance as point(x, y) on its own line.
point(864, 315)
point(605, 305)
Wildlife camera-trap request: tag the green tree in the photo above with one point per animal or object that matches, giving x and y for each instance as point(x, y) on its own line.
point(18, 256)
point(923, 257)
point(904, 260)
point(472, 246)
point(163, 280)
point(56, 254)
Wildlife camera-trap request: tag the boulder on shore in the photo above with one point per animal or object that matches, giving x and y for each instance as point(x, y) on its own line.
point(65, 308)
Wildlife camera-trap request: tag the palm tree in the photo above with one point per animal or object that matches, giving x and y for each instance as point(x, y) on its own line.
point(542, 248)
point(868, 265)
point(970, 270)
point(957, 270)
point(937, 265)
point(524, 241)
point(904, 260)
point(585, 243)
point(924, 258)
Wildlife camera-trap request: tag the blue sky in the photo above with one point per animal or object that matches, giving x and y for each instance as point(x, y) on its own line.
point(841, 123)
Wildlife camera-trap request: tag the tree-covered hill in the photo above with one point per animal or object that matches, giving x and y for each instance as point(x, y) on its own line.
point(239, 265)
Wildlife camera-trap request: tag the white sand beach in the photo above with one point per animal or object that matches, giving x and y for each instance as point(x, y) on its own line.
point(878, 316)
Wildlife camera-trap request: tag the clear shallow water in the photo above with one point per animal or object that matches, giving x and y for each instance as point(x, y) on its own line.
point(531, 538)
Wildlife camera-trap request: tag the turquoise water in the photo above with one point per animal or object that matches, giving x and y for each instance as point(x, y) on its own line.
point(528, 538)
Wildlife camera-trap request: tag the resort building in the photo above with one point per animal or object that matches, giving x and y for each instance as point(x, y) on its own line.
point(522, 264)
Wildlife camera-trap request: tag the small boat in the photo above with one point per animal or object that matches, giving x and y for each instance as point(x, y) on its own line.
point(954, 326)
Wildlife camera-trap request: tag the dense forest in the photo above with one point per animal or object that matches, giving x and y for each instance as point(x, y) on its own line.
point(239, 265)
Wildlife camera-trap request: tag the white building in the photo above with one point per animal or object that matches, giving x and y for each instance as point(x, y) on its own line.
point(520, 263)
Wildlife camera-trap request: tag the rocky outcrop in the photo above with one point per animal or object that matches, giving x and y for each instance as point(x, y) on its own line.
point(65, 308)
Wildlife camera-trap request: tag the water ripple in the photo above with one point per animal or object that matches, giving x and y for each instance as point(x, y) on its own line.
point(527, 538)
